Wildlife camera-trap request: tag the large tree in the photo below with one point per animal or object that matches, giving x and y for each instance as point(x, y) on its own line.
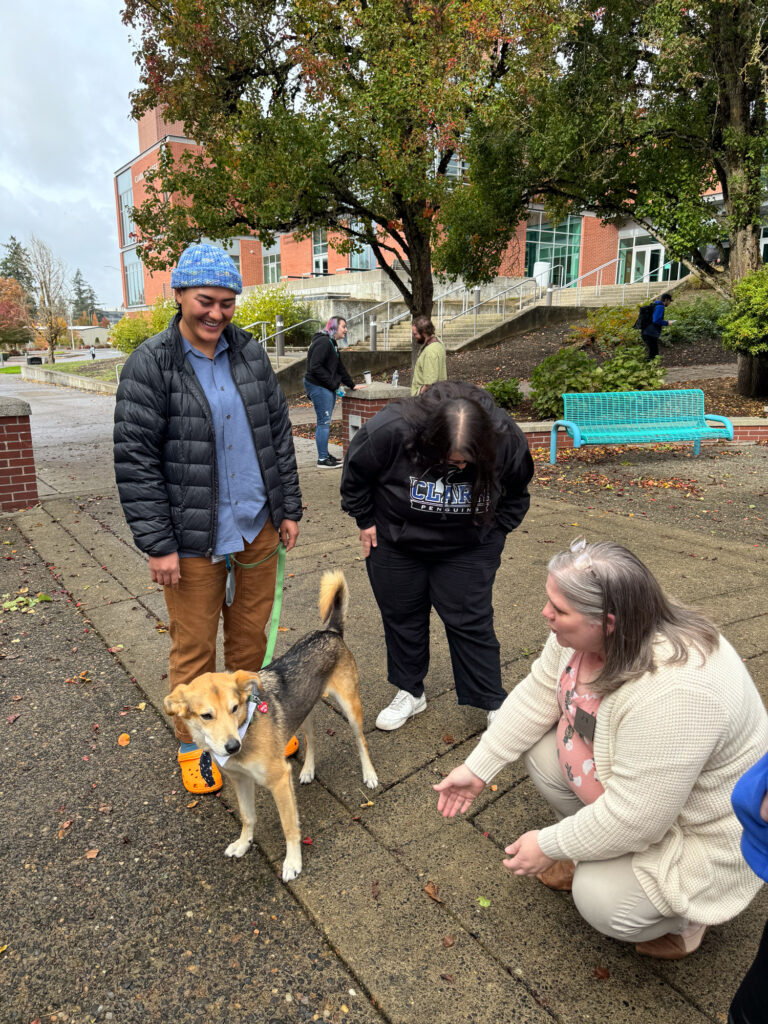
point(50, 275)
point(644, 109)
point(340, 114)
point(15, 264)
point(15, 321)
point(84, 301)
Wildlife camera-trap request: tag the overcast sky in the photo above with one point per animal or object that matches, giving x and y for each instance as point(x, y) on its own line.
point(65, 128)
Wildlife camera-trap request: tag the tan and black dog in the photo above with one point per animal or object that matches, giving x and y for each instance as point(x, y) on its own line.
point(215, 705)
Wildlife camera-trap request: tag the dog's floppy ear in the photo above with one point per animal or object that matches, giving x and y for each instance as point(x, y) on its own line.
point(245, 681)
point(176, 702)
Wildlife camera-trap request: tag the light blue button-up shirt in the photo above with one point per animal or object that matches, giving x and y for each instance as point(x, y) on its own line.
point(242, 509)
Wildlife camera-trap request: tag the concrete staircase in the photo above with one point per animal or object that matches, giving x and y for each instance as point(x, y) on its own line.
point(457, 331)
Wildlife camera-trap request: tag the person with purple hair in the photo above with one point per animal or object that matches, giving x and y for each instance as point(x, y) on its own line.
point(323, 378)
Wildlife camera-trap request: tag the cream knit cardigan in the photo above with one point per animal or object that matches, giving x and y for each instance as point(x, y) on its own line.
point(668, 749)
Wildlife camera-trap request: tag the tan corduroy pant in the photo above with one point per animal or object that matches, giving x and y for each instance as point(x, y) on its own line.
point(197, 603)
point(607, 893)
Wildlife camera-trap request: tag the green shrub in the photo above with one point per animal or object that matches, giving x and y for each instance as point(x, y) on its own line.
point(570, 369)
point(266, 304)
point(506, 393)
point(607, 326)
point(695, 320)
point(745, 324)
point(128, 333)
point(629, 370)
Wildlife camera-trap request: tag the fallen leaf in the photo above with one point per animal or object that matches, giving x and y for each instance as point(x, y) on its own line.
point(141, 706)
point(283, 629)
point(105, 808)
point(193, 803)
point(449, 940)
point(368, 803)
point(114, 650)
point(12, 718)
point(494, 788)
point(92, 854)
point(448, 978)
point(602, 972)
point(123, 739)
point(375, 891)
point(3, 948)
point(433, 892)
point(483, 901)
point(307, 841)
point(448, 738)
point(17, 697)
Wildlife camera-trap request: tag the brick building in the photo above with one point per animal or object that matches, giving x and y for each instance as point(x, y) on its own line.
point(557, 254)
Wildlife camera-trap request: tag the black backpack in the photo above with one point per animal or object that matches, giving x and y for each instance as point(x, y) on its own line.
point(644, 317)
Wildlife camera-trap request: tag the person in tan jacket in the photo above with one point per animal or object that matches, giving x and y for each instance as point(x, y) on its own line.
point(634, 724)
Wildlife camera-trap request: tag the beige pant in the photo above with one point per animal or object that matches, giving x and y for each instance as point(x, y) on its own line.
point(607, 893)
point(197, 603)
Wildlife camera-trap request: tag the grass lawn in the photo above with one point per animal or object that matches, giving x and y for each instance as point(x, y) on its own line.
point(97, 369)
point(10, 369)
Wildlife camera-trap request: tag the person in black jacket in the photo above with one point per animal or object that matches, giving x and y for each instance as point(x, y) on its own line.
point(207, 477)
point(325, 375)
point(435, 483)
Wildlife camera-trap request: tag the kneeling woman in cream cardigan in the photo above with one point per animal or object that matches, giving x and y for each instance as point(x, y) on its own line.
point(635, 723)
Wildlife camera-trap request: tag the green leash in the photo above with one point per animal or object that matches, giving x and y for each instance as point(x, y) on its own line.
point(277, 602)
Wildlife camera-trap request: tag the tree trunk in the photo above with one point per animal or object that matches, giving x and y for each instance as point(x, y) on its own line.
point(745, 256)
point(752, 380)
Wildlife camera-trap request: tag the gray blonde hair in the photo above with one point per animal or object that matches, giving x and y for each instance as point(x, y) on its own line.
point(603, 579)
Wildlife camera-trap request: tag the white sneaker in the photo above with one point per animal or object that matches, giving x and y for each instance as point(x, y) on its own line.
point(492, 715)
point(403, 707)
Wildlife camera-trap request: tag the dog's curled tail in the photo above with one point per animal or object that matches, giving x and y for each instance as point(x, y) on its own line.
point(333, 600)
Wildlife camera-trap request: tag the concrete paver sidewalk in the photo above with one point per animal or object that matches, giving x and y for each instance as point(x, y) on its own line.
point(491, 948)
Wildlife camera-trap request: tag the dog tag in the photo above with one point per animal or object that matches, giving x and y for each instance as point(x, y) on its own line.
point(229, 593)
point(262, 707)
point(584, 724)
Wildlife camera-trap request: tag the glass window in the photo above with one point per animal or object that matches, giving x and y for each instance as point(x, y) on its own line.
point(320, 251)
point(559, 245)
point(125, 205)
point(642, 258)
point(134, 278)
point(270, 256)
point(363, 260)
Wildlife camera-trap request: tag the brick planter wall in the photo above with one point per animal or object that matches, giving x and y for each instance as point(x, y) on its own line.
point(18, 483)
point(357, 407)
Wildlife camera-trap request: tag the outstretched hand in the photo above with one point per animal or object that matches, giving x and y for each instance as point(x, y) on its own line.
point(457, 791)
point(526, 857)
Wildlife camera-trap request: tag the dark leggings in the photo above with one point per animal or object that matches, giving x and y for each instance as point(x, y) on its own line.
point(750, 1004)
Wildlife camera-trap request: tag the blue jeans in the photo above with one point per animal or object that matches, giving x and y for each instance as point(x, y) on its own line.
point(323, 401)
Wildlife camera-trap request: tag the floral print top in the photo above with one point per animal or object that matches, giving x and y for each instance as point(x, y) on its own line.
point(574, 752)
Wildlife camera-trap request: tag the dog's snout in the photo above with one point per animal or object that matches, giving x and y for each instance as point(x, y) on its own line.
point(232, 746)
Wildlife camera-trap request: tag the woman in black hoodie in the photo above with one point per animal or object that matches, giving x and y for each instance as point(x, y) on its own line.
point(435, 484)
point(324, 376)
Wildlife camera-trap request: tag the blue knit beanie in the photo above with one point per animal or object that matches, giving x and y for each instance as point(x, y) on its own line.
point(204, 264)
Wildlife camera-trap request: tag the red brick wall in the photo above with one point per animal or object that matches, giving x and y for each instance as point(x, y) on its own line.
point(251, 265)
point(364, 408)
point(152, 127)
point(599, 244)
point(513, 260)
point(18, 483)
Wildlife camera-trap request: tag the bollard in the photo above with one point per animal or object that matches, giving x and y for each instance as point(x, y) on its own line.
point(373, 332)
point(549, 295)
point(279, 337)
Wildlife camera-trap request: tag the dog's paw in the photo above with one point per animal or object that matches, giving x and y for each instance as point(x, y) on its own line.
point(371, 780)
point(291, 868)
point(239, 848)
point(307, 775)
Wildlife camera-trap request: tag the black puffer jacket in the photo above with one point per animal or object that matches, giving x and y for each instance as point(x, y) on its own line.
point(165, 451)
point(324, 365)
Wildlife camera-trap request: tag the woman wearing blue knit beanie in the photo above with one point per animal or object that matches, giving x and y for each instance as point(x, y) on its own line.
point(207, 478)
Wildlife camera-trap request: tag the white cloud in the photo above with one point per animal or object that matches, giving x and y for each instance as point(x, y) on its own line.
point(66, 73)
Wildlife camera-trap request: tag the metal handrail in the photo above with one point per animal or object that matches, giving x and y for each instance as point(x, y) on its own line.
point(290, 327)
point(528, 281)
point(624, 284)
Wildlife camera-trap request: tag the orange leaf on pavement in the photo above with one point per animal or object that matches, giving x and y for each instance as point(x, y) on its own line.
point(123, 739)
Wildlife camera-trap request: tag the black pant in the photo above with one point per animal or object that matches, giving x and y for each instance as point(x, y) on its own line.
point(651, 343)
point(750, 1004)
point(407, 584)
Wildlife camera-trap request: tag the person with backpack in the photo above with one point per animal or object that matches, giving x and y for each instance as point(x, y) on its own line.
point(650, 321)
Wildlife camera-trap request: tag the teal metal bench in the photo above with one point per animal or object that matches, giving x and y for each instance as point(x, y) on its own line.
point(638, 417)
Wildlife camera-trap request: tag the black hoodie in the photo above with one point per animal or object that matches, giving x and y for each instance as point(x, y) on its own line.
point(324, 365)
point(425, 506)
